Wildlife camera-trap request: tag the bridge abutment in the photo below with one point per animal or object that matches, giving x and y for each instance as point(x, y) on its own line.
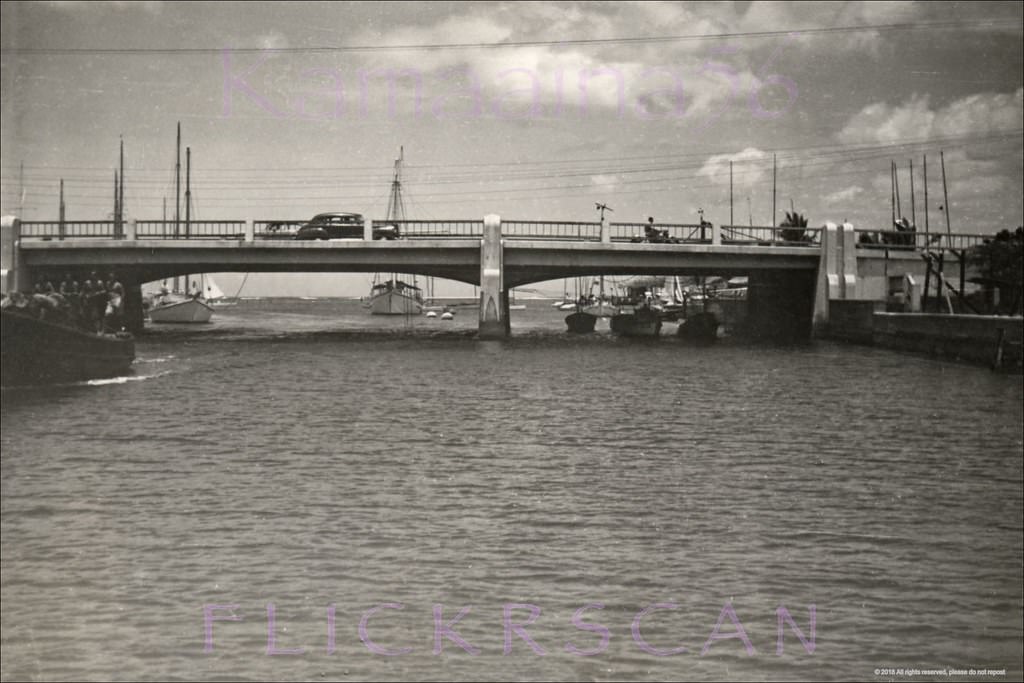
point(494, 305)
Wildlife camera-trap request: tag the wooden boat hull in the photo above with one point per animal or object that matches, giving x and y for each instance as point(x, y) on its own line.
point(394, 302)
point(40, 352)
point(580, 322)
point(189, 311)
point(640, 323)
point(602, 309)
point(701, 328)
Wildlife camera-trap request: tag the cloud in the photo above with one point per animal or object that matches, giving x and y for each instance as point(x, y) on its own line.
point(749, 167)
point(605, 181)
point(844, 195)
point(978, 114)
point(151, 6)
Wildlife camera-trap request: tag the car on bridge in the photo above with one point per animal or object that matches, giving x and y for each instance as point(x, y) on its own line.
point(335, 226)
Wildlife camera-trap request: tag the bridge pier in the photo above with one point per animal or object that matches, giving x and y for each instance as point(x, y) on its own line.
point(781, 305)
point(16, 276)
point(134, 317)
point(494, 305)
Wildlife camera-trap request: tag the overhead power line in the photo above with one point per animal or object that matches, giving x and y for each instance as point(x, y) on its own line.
point(1001, 23)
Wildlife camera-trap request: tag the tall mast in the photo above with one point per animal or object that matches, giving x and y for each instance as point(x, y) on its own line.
point(177, 183)
point(62, 208)
point(913, 207)
point(396, 206)
point(892, 189)
point(730, 194)
point(188, 191)
point(116, 207)
point(945, 191)
point(773, 190)
point(926, 197)
point(896, 181)
point(120, 196)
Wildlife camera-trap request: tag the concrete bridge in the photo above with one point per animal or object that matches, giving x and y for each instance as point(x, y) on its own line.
point(793, 272)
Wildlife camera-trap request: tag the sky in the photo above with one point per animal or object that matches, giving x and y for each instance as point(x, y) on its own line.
point(529, 110)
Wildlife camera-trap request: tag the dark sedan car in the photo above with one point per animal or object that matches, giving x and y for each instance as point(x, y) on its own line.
point(334, 226)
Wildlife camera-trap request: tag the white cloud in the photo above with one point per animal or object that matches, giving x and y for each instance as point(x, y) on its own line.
point(978, 114)
point(749, 167)
point(844, 195)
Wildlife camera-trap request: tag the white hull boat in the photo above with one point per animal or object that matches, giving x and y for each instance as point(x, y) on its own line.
point(182, 311)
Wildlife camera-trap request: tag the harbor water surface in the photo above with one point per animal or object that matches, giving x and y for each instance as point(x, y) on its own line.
point(305, 458)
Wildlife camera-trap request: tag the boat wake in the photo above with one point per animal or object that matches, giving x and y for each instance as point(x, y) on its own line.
point(120, 380)
point(161, 359)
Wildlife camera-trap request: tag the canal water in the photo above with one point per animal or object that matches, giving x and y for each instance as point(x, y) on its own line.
point(589, 505)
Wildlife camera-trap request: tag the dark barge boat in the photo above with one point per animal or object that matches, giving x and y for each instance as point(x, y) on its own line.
point(38, 351)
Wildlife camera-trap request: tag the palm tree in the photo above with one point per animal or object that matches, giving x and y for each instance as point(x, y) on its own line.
point(793, 228)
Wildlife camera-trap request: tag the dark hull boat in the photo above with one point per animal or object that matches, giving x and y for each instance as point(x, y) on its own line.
point(643, 322)
point(701, 328)
point(581, 322)
point(40, 352)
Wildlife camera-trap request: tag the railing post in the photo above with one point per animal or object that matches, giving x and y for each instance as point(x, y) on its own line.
point(368, 229)
point(716, 235)
point(131, 230)
point(250, 230)
point(606, 233)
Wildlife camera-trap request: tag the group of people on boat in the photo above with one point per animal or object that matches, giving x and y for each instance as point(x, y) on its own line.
point(95, 304)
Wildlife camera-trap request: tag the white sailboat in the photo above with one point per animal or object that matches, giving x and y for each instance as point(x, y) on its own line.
point(393, 296)
point(177, 306)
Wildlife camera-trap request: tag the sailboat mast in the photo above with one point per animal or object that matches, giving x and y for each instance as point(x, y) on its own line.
point(188, 191)
point(120, 196)
point(177, 200)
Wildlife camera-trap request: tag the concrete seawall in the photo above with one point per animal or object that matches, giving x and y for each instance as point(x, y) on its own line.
point(983, 339)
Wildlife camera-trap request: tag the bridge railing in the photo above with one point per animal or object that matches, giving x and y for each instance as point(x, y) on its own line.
point(551, 230)
point(771, 235)
point(276, 229)
point(911, 240)
point(193, 230)
point(681, 232)
point(426, 229)
point(56, 230)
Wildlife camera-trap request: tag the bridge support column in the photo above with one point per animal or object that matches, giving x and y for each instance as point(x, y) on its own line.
point(131, 229)
point(134, 318)
point(780, 305)
point(250, 230)
point(849, 262)
point(15, 276)
point(828, 285)
point(368, 230)
point(606, 233)
point(494, 323)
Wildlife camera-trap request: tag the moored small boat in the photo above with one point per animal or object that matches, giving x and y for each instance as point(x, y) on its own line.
point(168, 310)
point(642, 322)
point(580, 322)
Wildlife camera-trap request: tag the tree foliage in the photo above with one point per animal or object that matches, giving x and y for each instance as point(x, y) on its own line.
point(793, 228)
point(1000, 261)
